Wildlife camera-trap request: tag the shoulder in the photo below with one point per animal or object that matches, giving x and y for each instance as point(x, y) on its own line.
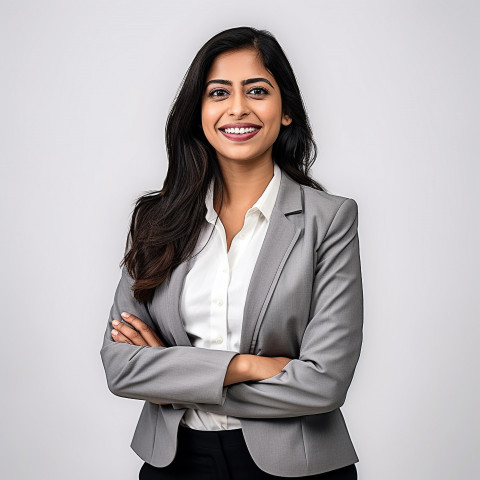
point(328, 207)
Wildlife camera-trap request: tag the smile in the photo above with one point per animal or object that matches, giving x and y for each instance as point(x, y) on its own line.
point(240, 134)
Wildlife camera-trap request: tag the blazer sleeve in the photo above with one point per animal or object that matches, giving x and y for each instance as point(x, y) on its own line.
point(159, 374)
point(316, 382)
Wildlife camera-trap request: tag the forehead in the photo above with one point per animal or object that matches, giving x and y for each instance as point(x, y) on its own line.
point(238, 65)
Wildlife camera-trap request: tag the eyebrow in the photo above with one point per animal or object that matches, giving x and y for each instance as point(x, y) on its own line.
point(244, 82)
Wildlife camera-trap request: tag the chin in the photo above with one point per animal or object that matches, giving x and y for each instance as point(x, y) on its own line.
point(239, 157)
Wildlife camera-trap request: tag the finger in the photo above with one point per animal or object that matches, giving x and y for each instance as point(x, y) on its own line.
point(145, 330)
point(134, 336)
point(120, 337)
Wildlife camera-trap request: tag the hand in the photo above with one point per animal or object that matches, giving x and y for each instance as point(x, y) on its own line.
point(141, 335)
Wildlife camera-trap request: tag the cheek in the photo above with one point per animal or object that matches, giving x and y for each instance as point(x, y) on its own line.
point(209, 117)
point(271, 115)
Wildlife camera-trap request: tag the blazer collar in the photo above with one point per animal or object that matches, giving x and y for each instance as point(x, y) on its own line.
point(280, 238)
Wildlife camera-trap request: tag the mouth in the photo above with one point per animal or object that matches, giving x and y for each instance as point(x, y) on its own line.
point(240, 133)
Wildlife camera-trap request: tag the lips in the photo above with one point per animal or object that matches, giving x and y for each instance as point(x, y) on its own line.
point(239, 125)
point(240, 137)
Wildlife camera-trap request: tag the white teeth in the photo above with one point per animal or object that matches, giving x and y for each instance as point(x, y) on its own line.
point(240, 130)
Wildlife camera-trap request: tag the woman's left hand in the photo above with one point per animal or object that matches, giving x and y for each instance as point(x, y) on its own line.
point(142, 334)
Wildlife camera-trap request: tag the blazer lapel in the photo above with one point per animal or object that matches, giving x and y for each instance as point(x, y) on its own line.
point(174, 291)
point(280, 238)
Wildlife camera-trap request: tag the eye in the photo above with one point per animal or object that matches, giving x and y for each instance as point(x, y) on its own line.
point(214, 93)
point(259, 90)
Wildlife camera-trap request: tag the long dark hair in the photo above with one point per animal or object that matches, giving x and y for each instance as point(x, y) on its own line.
point(166, 223)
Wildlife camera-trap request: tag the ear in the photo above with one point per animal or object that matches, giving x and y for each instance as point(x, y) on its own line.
point(286, 119)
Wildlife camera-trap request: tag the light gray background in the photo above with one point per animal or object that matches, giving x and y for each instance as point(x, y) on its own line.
point(392, 93)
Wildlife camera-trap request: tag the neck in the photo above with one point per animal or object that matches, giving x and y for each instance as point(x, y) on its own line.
point(244, 183)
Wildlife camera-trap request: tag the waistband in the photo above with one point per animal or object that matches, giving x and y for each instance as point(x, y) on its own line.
point(210, 439)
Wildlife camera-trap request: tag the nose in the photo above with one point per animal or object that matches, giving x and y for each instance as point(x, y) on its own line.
point(238, 106)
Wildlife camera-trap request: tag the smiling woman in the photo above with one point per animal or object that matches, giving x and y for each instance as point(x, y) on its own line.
point(248, 91)
point(238, 316)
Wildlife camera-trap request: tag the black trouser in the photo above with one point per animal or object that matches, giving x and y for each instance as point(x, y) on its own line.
point(222, 455)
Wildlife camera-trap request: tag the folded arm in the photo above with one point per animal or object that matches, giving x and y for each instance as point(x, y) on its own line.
point(160, 374)
point(316, 382)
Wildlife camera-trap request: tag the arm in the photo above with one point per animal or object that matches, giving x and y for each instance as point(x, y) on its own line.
point(160, 374)
point(316, 382)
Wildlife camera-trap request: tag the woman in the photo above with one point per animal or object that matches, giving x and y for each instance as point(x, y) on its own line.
point(238, 317)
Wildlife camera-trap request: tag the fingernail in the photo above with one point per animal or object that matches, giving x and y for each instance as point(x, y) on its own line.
point(114, 332)
point(115, 322)
point(125, 314)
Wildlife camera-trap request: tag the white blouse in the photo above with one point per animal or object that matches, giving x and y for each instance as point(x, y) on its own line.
point(215, 289)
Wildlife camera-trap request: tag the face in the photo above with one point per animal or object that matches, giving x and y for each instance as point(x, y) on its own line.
point(240, 93)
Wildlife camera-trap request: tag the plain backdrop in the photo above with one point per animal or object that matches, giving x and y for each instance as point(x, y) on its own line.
point(391, 88)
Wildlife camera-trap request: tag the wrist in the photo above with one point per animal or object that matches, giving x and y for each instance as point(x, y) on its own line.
point(249, 367)
point(240, 369)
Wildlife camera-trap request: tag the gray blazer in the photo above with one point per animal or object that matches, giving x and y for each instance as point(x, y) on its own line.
point(304, 301)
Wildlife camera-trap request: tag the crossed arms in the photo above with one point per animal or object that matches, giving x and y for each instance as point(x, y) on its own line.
point(316, 382)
